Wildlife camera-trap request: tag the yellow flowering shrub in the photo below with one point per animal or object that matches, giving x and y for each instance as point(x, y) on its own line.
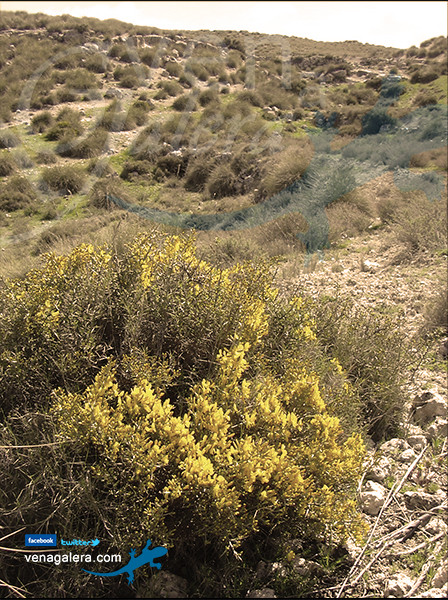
point(207, 410)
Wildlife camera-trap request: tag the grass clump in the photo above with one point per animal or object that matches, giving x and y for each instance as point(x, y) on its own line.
point(8, 139)
point(42, 121)
point(64, 179)
point(17, 193)
point(7, 165)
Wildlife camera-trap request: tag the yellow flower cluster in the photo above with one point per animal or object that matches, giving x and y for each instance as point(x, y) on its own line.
point(258, 450)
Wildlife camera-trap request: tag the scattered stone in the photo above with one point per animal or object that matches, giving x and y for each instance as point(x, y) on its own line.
point(417, 441)
point(264, 593)
point(428, 406)
point(432, 593)
point(441, 576)
point(443, 348)
point(379, 471)
point(435, 526)
point(398, 585)
point(370, 266)
point(167, 585)
point(373, 497)
point(407, 456)
point(421, 500)
point(305, 567)
point(394, 446)
point(438, 428)
point(266, 569)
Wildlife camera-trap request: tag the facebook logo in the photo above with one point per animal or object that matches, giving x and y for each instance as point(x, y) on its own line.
point(47, 540)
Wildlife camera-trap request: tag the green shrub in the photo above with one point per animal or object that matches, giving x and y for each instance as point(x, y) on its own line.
point(424, 76)
point(374, 353)
point(374, 120)
point(7, 165)
point(22, 159)
point(41, 122)
point(46, 157)
point(151, 58)
point(185, 102)
point(94, 144)
point(198, 172)
point(207, 96)
point(8, 139)
point(285, 168)
point(17, 193)
point(172, 88)
point(222, 182)
point(97, 63)
point(421, 224)
point(64, 179)
point(173, 68)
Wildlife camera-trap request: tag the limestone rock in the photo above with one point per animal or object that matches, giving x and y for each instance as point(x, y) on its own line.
point(379, 470)
point(407, 456)
point(304, 567)
point(373, 497)
point(438, 428)
point(441, 576)
point(428, 406)
point(398, 585)
point(433, 593)
point(435, 526)
point(421, 500)
point(264, 593)
point(394, 447)
point(168, 585)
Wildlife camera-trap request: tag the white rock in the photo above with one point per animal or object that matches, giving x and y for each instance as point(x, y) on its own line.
point(264, 593)
point(394, 446)
point(373, 497)
point(407, 456)
point(441, 576)
point(379, 470)
point(435, 526)
point(438, 428)
point(398, 585)
point(421, 500)
point(432, 593)
point(305, 567)
point(428, 406)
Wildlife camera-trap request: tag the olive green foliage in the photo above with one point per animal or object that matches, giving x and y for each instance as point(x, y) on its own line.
point(16, 193)
point(8, 139)
point(64, 179)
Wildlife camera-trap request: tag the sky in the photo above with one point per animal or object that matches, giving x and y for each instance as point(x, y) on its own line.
point(396, 24)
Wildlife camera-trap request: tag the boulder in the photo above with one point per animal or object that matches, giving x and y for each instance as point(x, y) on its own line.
point(304, 567)
point(373, 497)
point(398, 585)
point(441, 575)
point(438, 428)
point(167, 585)
point(428, 406)
point(264, 593)
point(421, 500)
